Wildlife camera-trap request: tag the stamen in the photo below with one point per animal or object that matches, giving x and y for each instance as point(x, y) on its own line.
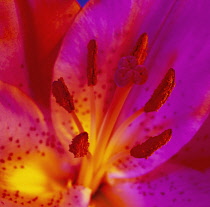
point(64, 99)
point(162, 92)
point(151, 145)
point(79, 145)
point(91, 64)
point(129, 72)
point(140, 51)
point(62, 95)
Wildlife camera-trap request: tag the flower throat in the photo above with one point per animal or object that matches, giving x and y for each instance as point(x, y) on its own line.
point(99, 155)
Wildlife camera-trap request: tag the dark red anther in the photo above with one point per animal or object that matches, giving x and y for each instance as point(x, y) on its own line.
point(151, 145)
point(140, 51)
point(91, 64)
point(162, 92)
point(79, 145)
point(62, 95)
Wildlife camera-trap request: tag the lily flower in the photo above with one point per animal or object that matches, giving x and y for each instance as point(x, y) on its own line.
point(117, 121)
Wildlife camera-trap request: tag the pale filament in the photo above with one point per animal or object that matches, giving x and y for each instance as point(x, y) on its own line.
point(93, 166)
point(77, 122)
point(108, 124)
point(117, 138)
point(93, 125)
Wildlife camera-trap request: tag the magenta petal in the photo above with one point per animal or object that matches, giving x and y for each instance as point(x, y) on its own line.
point(181, 181)
point(176, 46)
point(169, 185)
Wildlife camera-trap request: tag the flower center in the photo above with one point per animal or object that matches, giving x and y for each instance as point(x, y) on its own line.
point(100, 155)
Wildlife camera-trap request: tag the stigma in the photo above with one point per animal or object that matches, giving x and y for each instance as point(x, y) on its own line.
point(130, 69)
point(129, 72)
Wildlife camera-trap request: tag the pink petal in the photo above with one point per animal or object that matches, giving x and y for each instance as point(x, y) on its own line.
point(188, 105)
point(171, 185)
point(35, 169)
point(77, 196)
point(32, 32)
point(181, 181)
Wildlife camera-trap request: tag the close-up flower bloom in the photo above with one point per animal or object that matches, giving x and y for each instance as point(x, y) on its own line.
point(107, 105)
